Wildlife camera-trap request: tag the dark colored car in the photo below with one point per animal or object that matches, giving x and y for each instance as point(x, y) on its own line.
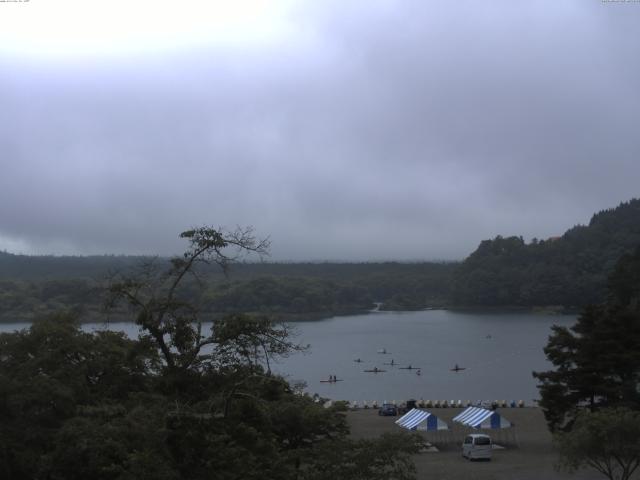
point(388, 409)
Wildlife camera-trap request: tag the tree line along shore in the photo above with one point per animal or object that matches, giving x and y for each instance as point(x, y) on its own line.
point(558, 274)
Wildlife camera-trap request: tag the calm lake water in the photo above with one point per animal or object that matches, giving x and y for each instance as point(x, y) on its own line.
point(498, 350)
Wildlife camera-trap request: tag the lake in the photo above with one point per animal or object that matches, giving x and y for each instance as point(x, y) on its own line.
point(498, 350)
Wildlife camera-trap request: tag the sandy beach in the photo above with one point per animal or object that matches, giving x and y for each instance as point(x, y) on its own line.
point(531, 459)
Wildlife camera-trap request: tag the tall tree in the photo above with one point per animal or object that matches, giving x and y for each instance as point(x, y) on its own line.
point(597, 361)
point(167, 319)
point(607, 440)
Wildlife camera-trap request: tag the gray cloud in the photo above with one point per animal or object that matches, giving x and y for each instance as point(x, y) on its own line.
point(404, 130)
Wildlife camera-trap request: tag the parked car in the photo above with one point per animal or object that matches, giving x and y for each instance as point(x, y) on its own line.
point(388, 409)
point(477, 446)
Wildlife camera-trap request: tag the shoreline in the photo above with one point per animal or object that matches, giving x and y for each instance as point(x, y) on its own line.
point(320, 316)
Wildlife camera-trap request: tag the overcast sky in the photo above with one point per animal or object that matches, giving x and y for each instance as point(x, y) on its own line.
point(344, 130)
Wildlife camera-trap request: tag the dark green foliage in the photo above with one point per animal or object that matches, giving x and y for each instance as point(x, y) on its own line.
point(111, 443)
point(25, 300)
point(383, 459)
point(53, 373)
point(597, 364)
point(607, 440)
point(75, 405)
point(597, 361)
point(287, 295)
point(570, 270)
point(288, 290)
point(624, 282)
point(178, 403)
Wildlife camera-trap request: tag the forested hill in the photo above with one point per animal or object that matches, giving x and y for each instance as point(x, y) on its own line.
point(31, 286)
point(570, 270)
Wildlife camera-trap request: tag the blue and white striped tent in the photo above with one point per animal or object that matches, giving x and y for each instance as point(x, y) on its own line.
point(421, 420)
point(476, 417)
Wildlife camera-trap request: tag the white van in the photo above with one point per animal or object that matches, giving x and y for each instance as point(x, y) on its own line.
point(477, 446)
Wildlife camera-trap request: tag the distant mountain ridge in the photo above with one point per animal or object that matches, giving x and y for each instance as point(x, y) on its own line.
point(570, 270)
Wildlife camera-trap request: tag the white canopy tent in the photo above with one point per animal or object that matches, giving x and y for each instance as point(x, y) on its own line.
point(421, 420)
point(482, 418)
